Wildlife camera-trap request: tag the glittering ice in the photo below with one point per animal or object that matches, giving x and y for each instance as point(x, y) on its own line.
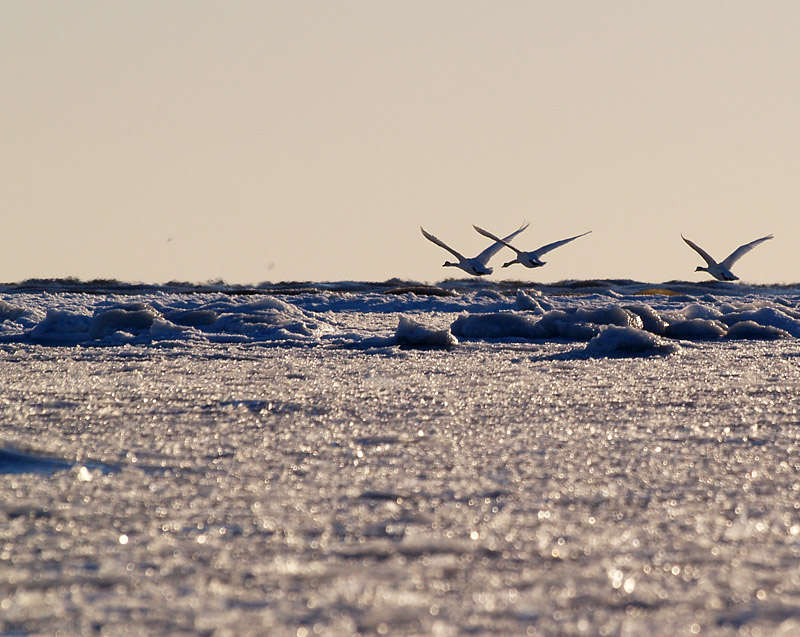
point(213, 464)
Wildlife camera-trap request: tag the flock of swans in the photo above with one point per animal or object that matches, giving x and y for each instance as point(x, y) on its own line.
point(478, 265)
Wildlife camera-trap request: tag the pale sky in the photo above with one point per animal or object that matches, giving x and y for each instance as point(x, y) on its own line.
point(277, 141)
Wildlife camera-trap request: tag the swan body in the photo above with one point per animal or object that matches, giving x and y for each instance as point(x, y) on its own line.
point(476, 266)
point(722, 270)
point(528, 259)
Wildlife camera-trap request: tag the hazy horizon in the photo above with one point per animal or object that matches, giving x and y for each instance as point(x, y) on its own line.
point(302, 142)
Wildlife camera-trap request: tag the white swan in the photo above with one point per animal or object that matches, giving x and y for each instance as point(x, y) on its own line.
point(529, 259)
point(722, 270)
point(475, 266)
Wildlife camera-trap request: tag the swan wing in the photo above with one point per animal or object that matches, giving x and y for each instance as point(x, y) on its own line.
point(441, 244)
point(706, 256)
point(737, 254)
point(483, 257)
point(489, 235)
point(556, 244)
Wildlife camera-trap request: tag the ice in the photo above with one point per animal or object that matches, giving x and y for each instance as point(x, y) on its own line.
point(651, 321)
point(308, 316)
point(413, 334)
point(9, 311)
point(613, 340)
point(299, 459)
point(573, 324)
point(695, 329)
point(753, 330)
point(766, 317)
point(133, 318)
point(61, 327)
point(560, 324)
point(535, 303)
point(695, 311)
point(491, 326)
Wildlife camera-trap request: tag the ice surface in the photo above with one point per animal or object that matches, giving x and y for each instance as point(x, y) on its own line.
point(413, 334)
point(277, 461)
point(356, 315)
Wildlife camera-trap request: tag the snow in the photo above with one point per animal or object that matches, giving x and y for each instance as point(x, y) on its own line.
point(345, 459)
point(413, 334)
point(500, 325)
point(613, 340)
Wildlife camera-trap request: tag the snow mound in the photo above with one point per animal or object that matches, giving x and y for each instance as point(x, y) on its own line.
point(696, 329)
point(651, 320)
point(61, 327)
point(131, 318)
point(781, 319)
point(265, 320)
point(413, 334)
point(626, 341)
point(532, 302)
point(500, 325)
point(754, 331)
point(9, 312)
point(581, 324)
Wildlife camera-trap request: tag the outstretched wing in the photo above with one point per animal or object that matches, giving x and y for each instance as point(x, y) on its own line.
point(483, 257)
point(556, 244)
point(706, 256)
point(489, 235)
point(441, 244)
point(742, 250)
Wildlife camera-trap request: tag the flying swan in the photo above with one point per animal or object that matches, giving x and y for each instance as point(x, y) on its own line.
point(529, 259)
point(475, 266)
point(722, 270)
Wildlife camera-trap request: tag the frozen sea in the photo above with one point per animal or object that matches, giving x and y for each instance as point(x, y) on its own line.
point(467, 458)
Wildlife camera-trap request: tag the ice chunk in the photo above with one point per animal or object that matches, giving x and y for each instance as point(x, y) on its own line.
point(753, 330)
point(612, 315)
point(527, 302)
point(268, 319)
point(501, 325)
point(9, 312)
point(533, 300)
point(583, 324)
point(623, 341)
point(651, 320)
point(194, 318)
point(61, 327)
point(766, 316)
point(413, 334)
point(697, 311)
point(560, 324)
point(695, 329)
point(122, 319)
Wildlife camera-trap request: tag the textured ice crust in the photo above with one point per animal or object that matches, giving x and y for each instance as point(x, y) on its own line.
point(207, 464)
point(369, 317)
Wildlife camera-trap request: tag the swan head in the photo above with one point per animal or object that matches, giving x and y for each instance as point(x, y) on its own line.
point(700, 268)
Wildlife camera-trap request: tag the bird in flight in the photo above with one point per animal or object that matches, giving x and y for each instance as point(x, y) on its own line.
point(528, 259)
point(476, 266)
point(722, 270)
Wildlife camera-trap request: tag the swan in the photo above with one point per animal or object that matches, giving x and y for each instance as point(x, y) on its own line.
point(475, 266)
point(722, 270)
point(529, 259)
